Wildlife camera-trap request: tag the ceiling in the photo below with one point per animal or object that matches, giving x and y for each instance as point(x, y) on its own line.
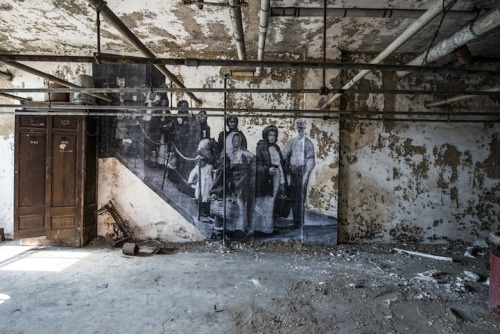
point(173, 29)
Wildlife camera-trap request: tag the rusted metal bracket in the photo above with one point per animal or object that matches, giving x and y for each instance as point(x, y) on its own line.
point(123, 234)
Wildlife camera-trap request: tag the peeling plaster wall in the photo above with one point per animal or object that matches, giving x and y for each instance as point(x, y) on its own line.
point(416, 181)
point(148, 216)
point(6, 171)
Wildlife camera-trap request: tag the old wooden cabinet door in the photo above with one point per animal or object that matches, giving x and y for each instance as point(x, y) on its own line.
point(55, 181)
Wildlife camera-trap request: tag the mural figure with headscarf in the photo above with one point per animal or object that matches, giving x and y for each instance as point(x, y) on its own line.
point(270, 178)
point(240, 176)
point(232, 126)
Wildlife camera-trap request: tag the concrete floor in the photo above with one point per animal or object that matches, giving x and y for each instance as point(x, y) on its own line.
point(243, 288)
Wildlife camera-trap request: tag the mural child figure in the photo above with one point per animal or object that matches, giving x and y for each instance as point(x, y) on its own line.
point(300, 159)
point(270, 178)
point(201, 180)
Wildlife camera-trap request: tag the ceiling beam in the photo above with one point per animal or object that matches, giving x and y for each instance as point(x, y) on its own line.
point(6, 75)
point(115, 21)
point(52, 78)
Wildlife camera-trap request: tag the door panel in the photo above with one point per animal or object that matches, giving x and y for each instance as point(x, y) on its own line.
point(64, 172)
point(30, 176)
point(55, 179)
point(65, 179)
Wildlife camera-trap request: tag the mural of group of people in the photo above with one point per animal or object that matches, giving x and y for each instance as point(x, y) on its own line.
point(258, 194)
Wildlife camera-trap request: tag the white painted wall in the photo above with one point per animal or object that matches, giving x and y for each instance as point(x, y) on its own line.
point(148, 216)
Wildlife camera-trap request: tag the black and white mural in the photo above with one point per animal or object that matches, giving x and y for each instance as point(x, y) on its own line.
point(250, 181)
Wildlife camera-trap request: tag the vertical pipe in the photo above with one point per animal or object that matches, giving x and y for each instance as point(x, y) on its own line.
point(224, 165)
point(263, 25)
point(239, 35)
point(324, 45)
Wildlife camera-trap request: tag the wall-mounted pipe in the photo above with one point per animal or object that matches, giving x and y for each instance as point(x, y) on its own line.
point(479, 27)
point(441, 119)
point(134, 110)
point(195, 62)
point(366, 12)
point(237, 22)
point(431, 13)
point(250, 91)
point(263, 25)
point(460, 98)
point(52, 78)
point(132, 39)
point(6, 75)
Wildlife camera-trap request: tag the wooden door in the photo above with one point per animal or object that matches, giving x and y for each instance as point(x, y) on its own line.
point(64, 194)
point(30, 170)
point(55, 180)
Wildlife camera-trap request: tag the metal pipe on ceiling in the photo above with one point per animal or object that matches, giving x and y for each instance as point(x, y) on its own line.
point(487, 92)
point(237, 22)
point(263, 25)
point(52, 78)
point(366, 12)
point(459, 98)
point(202, 3)
point(470, 31)
point(6, 75)
point(422, 21)
point(132, 39)
point(195, 62)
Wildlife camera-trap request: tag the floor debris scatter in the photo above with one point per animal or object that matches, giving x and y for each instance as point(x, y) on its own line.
point(253, 287)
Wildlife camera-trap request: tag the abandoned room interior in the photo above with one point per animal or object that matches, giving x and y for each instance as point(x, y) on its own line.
point(250, 166)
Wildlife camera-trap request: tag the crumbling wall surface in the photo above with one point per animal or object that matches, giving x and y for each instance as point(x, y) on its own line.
point(418, 181)
point(148, 216)
point(7, 173)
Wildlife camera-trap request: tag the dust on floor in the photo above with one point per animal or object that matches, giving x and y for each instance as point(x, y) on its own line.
point(266, 287)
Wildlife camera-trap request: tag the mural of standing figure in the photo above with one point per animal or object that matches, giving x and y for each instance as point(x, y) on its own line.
point(201, 179)
point(240, 186)
point(300, 159)
point(270, 178)
point(186, 141)
point(204, 127)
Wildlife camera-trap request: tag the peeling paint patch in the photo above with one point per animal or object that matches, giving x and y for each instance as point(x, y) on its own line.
point(407, 232)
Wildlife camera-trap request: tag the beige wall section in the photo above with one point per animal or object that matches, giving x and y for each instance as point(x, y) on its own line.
point(416, 181)
point(420, 182)
point(148, 216)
